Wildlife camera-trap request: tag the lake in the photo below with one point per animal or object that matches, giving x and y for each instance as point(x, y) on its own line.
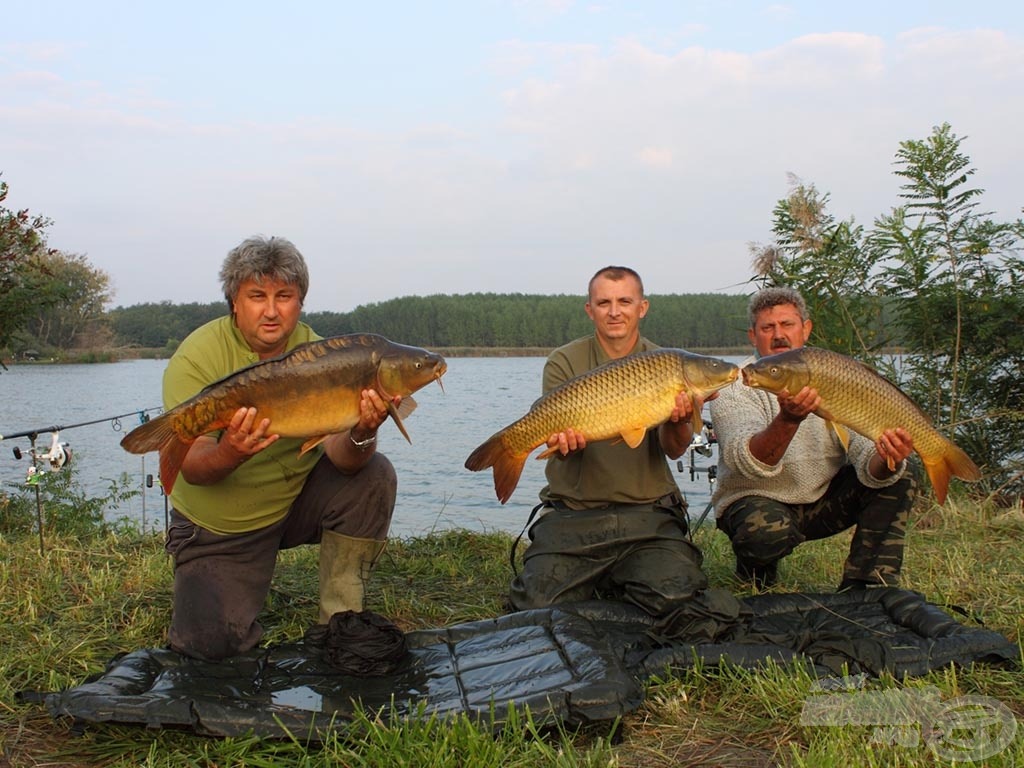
point(435, 492)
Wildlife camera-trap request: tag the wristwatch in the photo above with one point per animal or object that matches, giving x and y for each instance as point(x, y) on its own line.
point(362, 444)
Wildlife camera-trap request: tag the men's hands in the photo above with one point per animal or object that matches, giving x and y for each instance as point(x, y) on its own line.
point(894, 446)
point(246, 435)
point(796, 408)
point(567, 442)
point(373, 410)
point(683, 410)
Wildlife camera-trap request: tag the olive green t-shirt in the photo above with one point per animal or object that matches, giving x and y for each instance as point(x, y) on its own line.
point(260, 491)
point(606, 471)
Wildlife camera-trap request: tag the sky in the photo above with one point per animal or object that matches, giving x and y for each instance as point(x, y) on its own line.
point(508, 146)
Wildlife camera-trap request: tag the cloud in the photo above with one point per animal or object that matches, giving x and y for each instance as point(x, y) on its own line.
point(667, 158)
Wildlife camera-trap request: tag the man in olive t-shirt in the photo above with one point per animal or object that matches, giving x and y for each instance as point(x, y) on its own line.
point(245, 493)
point(613, 522)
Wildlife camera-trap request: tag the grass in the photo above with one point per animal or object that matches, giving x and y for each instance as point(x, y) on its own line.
point(65, 614)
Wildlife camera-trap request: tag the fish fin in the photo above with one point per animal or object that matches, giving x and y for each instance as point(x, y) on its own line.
point(407, 406)
point(634, 436)
point(312, 443)
point(396, 415)
point(547, 453)
point(952, 462)
point(508, 466)
point(842, 433)
point(697, 420)
point(172, 456)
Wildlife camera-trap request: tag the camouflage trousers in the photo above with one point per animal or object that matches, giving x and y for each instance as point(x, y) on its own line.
point(763, 530)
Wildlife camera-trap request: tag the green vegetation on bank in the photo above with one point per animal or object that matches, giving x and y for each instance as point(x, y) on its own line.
point(90, 597)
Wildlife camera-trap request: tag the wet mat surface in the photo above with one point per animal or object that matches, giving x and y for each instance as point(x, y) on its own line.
point(575, 664)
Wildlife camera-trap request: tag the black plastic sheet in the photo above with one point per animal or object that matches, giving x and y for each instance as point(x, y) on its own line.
point(575, 664)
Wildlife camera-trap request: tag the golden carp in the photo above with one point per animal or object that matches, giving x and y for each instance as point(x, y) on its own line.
point(623, 397)
point(855, 396)
point(312, 391)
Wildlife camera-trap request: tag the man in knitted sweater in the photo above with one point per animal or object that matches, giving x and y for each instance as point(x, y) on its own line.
point(784, 478)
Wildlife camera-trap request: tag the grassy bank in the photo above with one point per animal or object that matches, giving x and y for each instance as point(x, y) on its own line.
point(65, 614)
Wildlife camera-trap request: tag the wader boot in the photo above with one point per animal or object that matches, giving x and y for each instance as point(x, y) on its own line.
point(345, 565)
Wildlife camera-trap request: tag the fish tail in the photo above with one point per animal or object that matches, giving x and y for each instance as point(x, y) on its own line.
point(508, 466)
point(172, 456)
point(149, 437)
point(158, 435)
point(952, 462)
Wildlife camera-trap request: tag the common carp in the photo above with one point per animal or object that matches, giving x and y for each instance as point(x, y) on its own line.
point(310, 392)
point(622, 398)
point(855, 396)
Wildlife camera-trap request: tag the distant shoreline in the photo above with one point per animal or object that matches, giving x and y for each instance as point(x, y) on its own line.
point(160, 353)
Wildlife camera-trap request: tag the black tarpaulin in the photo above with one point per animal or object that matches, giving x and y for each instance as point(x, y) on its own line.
point(573, 664)
point(552, 661)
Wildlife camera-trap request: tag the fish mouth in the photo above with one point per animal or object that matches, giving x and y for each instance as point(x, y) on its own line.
point(748, 376)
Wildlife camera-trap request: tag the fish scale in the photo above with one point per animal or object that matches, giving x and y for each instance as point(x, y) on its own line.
point(856, 396)
point(633, 394)
point(310, 392)
point(624, 397)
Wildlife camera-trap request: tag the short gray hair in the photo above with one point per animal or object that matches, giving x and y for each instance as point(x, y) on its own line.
point(775, 296)
point(258, 258)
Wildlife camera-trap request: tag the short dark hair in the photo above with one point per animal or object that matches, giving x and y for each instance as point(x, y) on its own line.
point(615, 273)
point(775, 296)
point(257, 258)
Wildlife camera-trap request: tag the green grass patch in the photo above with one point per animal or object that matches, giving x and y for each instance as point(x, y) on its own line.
point(66, 613)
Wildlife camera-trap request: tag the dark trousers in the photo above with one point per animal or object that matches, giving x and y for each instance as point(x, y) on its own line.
point(636, 553)
point(221, 581)
point(763, 530)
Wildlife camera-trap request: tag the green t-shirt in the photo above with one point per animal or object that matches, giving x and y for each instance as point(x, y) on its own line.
point(260, 491)
point(606, 471)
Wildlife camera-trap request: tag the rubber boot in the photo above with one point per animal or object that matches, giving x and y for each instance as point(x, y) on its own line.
point(345, 565)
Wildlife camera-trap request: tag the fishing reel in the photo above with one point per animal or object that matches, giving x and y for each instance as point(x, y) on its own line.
point(57, 457)
point(701, 444)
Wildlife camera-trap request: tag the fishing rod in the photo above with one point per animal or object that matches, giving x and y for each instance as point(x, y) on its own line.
point(58, 456)
point(33, 433)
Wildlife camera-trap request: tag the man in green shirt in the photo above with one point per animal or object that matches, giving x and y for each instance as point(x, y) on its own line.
point(612, 522)
point(245, 493)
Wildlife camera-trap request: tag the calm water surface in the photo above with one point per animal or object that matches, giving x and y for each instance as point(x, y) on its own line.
point(435, 491)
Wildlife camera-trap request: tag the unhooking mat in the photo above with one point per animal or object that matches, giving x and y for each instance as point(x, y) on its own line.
point(574, 664)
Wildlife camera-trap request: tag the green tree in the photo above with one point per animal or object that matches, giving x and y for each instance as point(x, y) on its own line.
point(825, 259)
point(944, 281)
point(957, 278)
point(84, 292)
point(25, 282)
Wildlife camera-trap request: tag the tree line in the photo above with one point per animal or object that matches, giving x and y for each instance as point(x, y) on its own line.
point(692, 321)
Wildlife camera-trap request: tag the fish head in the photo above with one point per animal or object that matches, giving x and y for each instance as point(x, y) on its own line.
point(783, 371)
point(706, 374)
point(403, 370)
